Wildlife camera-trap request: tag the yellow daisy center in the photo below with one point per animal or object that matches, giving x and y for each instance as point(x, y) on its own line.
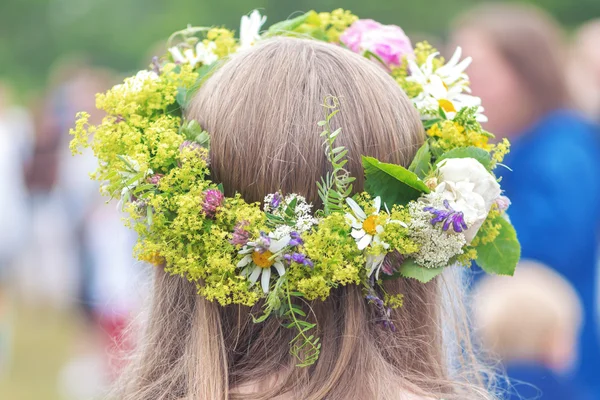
point(263, 259)
point(446, 105)
point(370, 225)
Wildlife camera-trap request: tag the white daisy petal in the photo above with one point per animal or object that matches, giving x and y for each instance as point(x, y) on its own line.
point(255, 274)
point(277, 245)
point(357, 234)
point(244, 261)
point(364, 242)
point(280, 268)
point(377, 204)
point(353, 221)
point(356, 209)
point(265, 280)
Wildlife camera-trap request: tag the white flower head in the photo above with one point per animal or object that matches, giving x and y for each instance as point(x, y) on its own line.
point(366, 230)
point(261, 256)
point(436, 247)
point(250, 29)
point(136, 83)
point(445, 87)
point(277, 204)
point(469, 188)
point(204, 54)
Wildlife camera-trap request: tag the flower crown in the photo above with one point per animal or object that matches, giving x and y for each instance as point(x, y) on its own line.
point(445, 209)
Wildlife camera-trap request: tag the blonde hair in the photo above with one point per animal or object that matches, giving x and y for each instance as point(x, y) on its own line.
point(261, 109)
point(518, 315)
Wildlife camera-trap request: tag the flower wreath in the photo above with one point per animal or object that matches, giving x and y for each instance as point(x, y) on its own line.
point(445, 209)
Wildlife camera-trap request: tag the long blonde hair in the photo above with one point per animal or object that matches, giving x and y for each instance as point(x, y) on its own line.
point(261, 109)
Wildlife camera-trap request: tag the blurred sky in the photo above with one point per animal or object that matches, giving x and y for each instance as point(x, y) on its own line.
point(35, 34)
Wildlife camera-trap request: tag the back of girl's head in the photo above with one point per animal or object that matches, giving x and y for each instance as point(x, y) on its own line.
point(261, 109)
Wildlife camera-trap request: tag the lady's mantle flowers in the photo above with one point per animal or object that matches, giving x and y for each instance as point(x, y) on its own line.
point(260, 256)
point(389, 42)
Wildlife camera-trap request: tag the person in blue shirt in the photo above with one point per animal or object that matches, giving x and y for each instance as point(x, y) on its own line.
point(519, 72)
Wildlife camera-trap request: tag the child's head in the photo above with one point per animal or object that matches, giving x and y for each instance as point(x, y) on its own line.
point(261, 108)
point(533, 317)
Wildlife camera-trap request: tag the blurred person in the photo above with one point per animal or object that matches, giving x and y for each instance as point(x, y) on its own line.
point(15, 141)
point(519, 71)
point(584, 69)
point(532, 322)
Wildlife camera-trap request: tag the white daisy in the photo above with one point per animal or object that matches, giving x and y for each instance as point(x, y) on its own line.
point(364, 228)
point(446, 87)
point(204, 54)
point(260, 256)
point(250, 29)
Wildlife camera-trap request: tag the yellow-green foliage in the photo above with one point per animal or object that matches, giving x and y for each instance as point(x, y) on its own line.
point(335, 255)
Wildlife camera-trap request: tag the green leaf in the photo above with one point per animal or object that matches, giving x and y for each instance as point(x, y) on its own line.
point(502, 255)
point(410, 269)
point(469, 152)
point(288, 25)
point(421, 164)
point(394, 183)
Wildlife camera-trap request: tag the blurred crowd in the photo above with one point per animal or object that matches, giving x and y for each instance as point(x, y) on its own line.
point(62, 247)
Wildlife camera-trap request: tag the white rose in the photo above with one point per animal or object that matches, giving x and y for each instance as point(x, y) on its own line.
point(469, 188)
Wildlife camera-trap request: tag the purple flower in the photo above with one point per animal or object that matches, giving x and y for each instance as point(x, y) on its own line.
point(383, 314)
point(213, 199)
point(449, 217)
point(503, 203)
point(154, 179)
point(276, 201)
point(389, 42)
point(296, 240)
point(240, 234)
point(299, 258)
point(263, 242)
point(391, 262)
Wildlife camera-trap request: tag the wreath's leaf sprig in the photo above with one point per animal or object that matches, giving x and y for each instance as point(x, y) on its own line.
point(336, 186)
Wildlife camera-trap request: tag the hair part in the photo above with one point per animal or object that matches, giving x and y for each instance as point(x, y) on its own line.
point(261, 109)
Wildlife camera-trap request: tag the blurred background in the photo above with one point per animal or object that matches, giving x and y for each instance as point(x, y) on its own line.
point(69, 285)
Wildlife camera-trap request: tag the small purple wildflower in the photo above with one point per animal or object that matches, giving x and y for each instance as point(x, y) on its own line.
point(154, 179)
point(383, 313)
point(299, 258)
point(194, 146)
point(449, 217)
point(189, 144)
point(240, 234)
point(263, 242)
point(391, 262)
point(296, 240)
point(213, 199)
point(276, 201)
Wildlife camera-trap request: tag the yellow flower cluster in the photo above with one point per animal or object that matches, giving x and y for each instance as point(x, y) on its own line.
point(337, 260)
point(327, 26)
point(136, 126)
point(336, 22)
point(450, 135)
point(224, 41)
